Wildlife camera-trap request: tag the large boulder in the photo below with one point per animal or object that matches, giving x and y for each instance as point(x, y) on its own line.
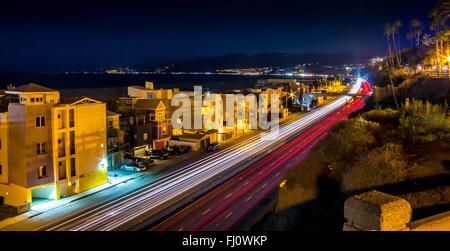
point(375, 210)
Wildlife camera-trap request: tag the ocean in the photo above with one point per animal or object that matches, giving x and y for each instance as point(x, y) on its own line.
point(82, 81)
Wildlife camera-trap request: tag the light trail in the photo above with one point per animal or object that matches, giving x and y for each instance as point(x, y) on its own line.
point(190, 220)
point(111, 215)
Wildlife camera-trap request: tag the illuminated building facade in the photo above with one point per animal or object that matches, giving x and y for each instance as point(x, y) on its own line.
point(51, 150)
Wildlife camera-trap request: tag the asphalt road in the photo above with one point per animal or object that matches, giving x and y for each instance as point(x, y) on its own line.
point(226, 205)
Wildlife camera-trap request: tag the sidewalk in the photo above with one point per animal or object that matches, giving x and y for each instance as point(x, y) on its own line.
point(50, 205)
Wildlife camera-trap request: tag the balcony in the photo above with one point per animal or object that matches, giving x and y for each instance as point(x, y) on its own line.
point(113, 132)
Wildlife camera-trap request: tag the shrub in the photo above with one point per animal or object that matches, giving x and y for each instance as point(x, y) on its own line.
point(383, 165)
point(421, 122)
point(346, 140)
point(382, 115)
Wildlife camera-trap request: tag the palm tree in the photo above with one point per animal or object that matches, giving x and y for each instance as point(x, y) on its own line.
point(396, 26)
point(440, 15)
point(416, 26)
point(388, 31)
point(410, 36)
point(427, 40)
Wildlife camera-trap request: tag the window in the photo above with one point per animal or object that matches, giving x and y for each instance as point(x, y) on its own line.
point(131, 121)
point(42, 172)
point(0, 144)
point(40, 121)
point(41, 148)
point(145, 136)
point(160, 116)
point(72, 142)
point(62, 170)
point(31, 99)
point(71, 118)
point(73, 169)
point(1, 169)
point(140, 120)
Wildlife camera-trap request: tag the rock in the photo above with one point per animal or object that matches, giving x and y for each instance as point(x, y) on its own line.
point(375, 210)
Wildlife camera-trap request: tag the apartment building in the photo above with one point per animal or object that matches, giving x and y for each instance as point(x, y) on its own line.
point(49, 149)
point(148, 92)
point(146, 124)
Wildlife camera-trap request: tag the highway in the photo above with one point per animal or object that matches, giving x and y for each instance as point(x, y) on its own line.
point(179, 184)
point(223, 207)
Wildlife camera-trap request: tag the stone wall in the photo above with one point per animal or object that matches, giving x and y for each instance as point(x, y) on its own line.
point(377, 211)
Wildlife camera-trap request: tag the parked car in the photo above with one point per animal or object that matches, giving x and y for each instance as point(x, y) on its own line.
point(213, 147)
point(134, 167)
point(157, 154)
point(145, 162)
point(172, 150)
point(177, 150)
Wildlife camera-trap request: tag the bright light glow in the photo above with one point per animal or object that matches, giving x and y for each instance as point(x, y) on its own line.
point(101, 145)
point(103, 163)
point(448, 59)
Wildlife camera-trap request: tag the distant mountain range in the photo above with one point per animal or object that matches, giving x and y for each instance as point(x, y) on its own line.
point(239, 60)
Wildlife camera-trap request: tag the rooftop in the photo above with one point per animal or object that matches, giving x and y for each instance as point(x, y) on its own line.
point(110, 113)
point(32, 87)
point(147, 103)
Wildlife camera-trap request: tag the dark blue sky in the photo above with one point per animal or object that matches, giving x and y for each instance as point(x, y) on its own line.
point(66, 35)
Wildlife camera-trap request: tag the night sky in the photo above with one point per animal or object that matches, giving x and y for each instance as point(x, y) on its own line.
point(77, 35)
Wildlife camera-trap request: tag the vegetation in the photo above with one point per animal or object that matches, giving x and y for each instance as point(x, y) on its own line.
point(427, 47)
point(382, 165)
point(379, 147)
point(371, 150)
point(421, 122)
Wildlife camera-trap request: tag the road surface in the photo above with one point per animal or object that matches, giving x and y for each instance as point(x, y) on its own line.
point(223, 207)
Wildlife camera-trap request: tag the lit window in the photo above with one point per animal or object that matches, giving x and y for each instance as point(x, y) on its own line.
point(42, 172)
point(145, 136)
